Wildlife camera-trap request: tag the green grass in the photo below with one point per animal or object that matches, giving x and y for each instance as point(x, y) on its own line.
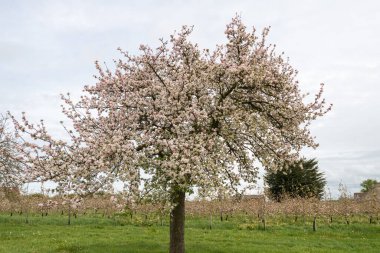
point(96, 234)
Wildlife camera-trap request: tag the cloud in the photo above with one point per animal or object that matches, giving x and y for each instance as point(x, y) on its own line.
point(48, 48)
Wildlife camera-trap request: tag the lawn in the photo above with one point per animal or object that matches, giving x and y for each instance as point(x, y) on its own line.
point(103, 235)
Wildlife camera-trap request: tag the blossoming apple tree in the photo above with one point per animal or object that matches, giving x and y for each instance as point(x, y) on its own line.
point(175, 118)
point(10, 168)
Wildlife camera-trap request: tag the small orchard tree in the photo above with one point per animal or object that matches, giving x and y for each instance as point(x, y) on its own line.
point(10, 167)
point(368, 185)
point(301, 179)
point(177, 118)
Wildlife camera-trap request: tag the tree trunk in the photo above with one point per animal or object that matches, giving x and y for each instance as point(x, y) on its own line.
point(264, 223)
point(177, 224)
point(27, 219)
point(69, 215)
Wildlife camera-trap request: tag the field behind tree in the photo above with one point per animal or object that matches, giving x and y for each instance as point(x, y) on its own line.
point(204, 233)
point(105, 223)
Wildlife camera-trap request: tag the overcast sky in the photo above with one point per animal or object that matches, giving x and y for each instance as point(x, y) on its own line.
point(49, 47)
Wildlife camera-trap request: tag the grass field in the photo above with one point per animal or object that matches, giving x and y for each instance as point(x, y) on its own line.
point(103, 235)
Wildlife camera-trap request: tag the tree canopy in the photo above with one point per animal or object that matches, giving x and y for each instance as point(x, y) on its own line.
point(302, 179)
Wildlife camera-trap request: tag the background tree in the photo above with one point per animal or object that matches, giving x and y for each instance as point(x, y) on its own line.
point(10, 167)
point(368, 185)
point(177, 118)
point(301, 179)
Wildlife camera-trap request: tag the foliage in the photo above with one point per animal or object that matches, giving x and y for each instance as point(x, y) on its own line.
point(301, 179)
point(368, 185)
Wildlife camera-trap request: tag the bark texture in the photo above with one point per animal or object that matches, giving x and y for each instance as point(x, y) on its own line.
point(177, 224)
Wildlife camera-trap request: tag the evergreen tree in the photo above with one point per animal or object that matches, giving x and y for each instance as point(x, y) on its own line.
point(301, 179)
